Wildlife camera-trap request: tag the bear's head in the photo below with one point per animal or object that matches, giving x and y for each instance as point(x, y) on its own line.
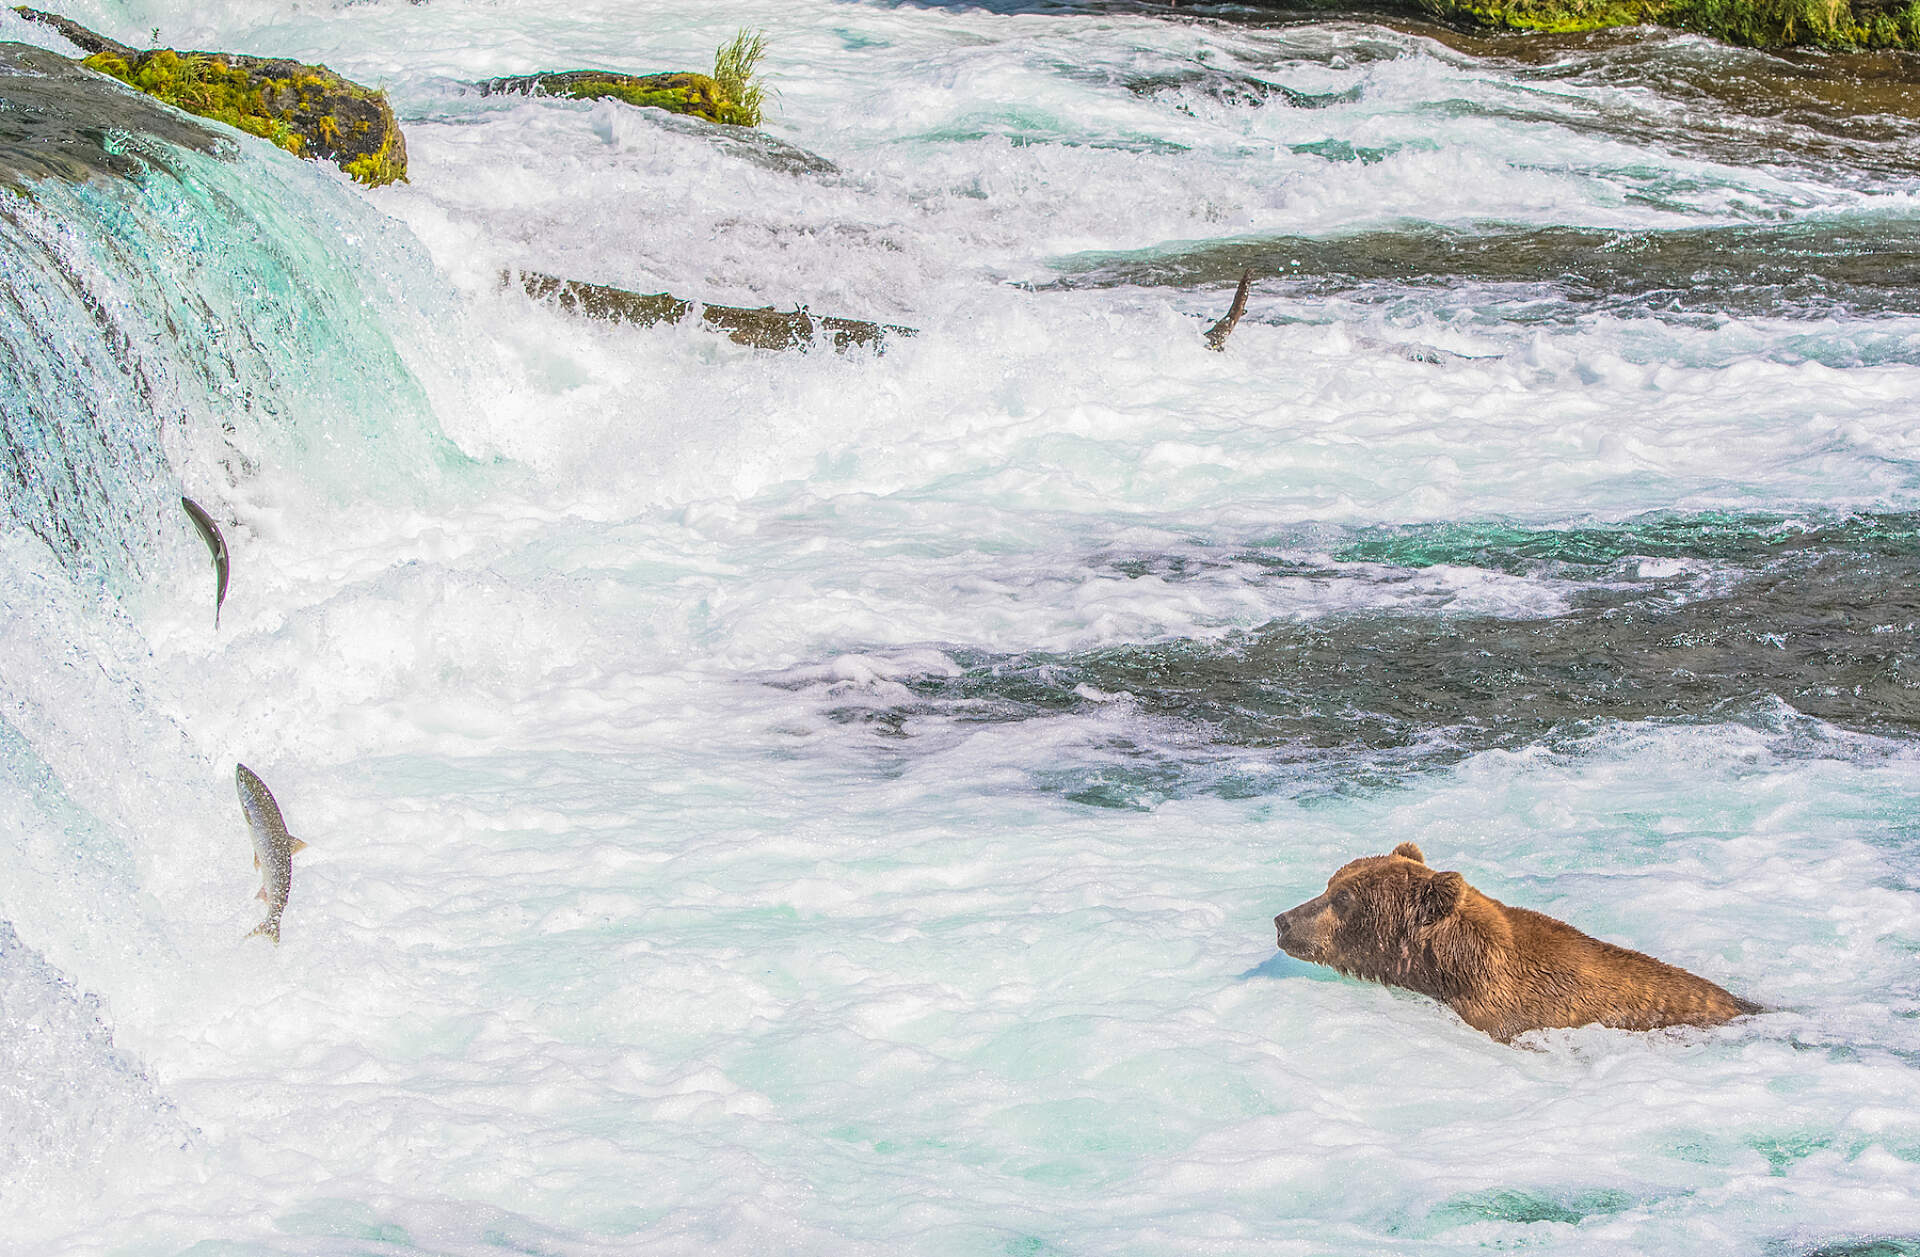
point(1387, 918)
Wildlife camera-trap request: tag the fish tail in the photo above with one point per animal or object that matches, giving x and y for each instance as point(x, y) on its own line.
point(269, 927)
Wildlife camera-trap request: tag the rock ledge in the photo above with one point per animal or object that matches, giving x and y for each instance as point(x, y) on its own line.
point(306, 109)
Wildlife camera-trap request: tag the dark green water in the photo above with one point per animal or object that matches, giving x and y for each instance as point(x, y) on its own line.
point(1706, 619)
point(1804, 269)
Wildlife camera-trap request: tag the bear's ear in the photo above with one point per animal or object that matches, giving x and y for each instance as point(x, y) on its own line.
point(1438, 896)
point(1411, 852)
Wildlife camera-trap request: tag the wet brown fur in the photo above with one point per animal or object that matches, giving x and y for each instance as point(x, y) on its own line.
point(1391, 919)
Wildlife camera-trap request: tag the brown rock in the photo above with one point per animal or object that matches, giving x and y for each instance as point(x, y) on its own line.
point(760, 328)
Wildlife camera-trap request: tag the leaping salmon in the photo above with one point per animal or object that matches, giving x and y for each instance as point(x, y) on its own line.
point(273, 848)
point(210, 533)
point(1218, 333)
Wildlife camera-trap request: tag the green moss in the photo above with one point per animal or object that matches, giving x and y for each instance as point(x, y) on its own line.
point(307, 110)
point(1555, 17)
point(386, 164)
point(1755, 23)
point(682, 94)
point(1764, 23)
point(375, 169)
point(678, 93)
point(732, 94)
point(206, 86)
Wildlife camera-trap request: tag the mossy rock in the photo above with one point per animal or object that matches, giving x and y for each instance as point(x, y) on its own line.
point(680, 92)
point(1835, 24)
point(306, 109)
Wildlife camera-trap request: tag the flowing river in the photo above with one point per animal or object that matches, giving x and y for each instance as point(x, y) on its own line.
point(819, 803)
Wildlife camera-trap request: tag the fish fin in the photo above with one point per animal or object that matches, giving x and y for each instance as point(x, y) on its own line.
point(261, 894)
point(256, 859)
point(295, 846)
point(269, 927)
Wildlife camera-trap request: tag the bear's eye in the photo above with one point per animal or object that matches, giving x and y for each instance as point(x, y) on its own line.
point(1343, 901)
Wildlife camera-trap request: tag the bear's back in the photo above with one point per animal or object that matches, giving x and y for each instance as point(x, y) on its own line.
point(1553, 975)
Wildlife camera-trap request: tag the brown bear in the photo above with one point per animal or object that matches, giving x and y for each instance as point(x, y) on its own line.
point(1391, 919)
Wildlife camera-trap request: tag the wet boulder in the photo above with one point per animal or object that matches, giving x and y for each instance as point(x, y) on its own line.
point(306, 109)
point(61, 122)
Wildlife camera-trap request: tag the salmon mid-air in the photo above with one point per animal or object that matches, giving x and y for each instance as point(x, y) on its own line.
point(273, 847)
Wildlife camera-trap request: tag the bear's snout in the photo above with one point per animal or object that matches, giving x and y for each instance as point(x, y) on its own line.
point(1288, 931)
point(1300, 930)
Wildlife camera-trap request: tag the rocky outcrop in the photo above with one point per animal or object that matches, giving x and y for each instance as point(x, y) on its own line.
point(763, 328)
point(62, 122)
point(697, 94)
point(306, 109)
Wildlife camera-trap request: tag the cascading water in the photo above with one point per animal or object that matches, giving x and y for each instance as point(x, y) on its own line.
point(177, 310)
point(837, 803)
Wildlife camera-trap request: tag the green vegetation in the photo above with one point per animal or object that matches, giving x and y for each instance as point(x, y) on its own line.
point(732, 94)
point(695, 94)
point(736, 70)
point(1821, 23)
point(308, 110)
point(385, 164)
point(206, 86)
point(1838, 24)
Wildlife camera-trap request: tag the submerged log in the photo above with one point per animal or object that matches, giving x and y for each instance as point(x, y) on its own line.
point(1218, 333)
point(306, 109)
point(763, 328)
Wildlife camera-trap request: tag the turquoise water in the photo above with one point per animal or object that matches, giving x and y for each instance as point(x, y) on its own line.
point(837, 803)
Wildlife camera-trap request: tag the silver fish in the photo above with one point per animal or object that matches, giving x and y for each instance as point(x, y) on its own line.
point(273, 848)
point(210, 533)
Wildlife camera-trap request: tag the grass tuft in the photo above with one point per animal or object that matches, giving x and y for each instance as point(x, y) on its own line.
point(736, 70)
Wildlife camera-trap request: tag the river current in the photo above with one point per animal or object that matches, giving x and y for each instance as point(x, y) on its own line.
point(836, 802)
